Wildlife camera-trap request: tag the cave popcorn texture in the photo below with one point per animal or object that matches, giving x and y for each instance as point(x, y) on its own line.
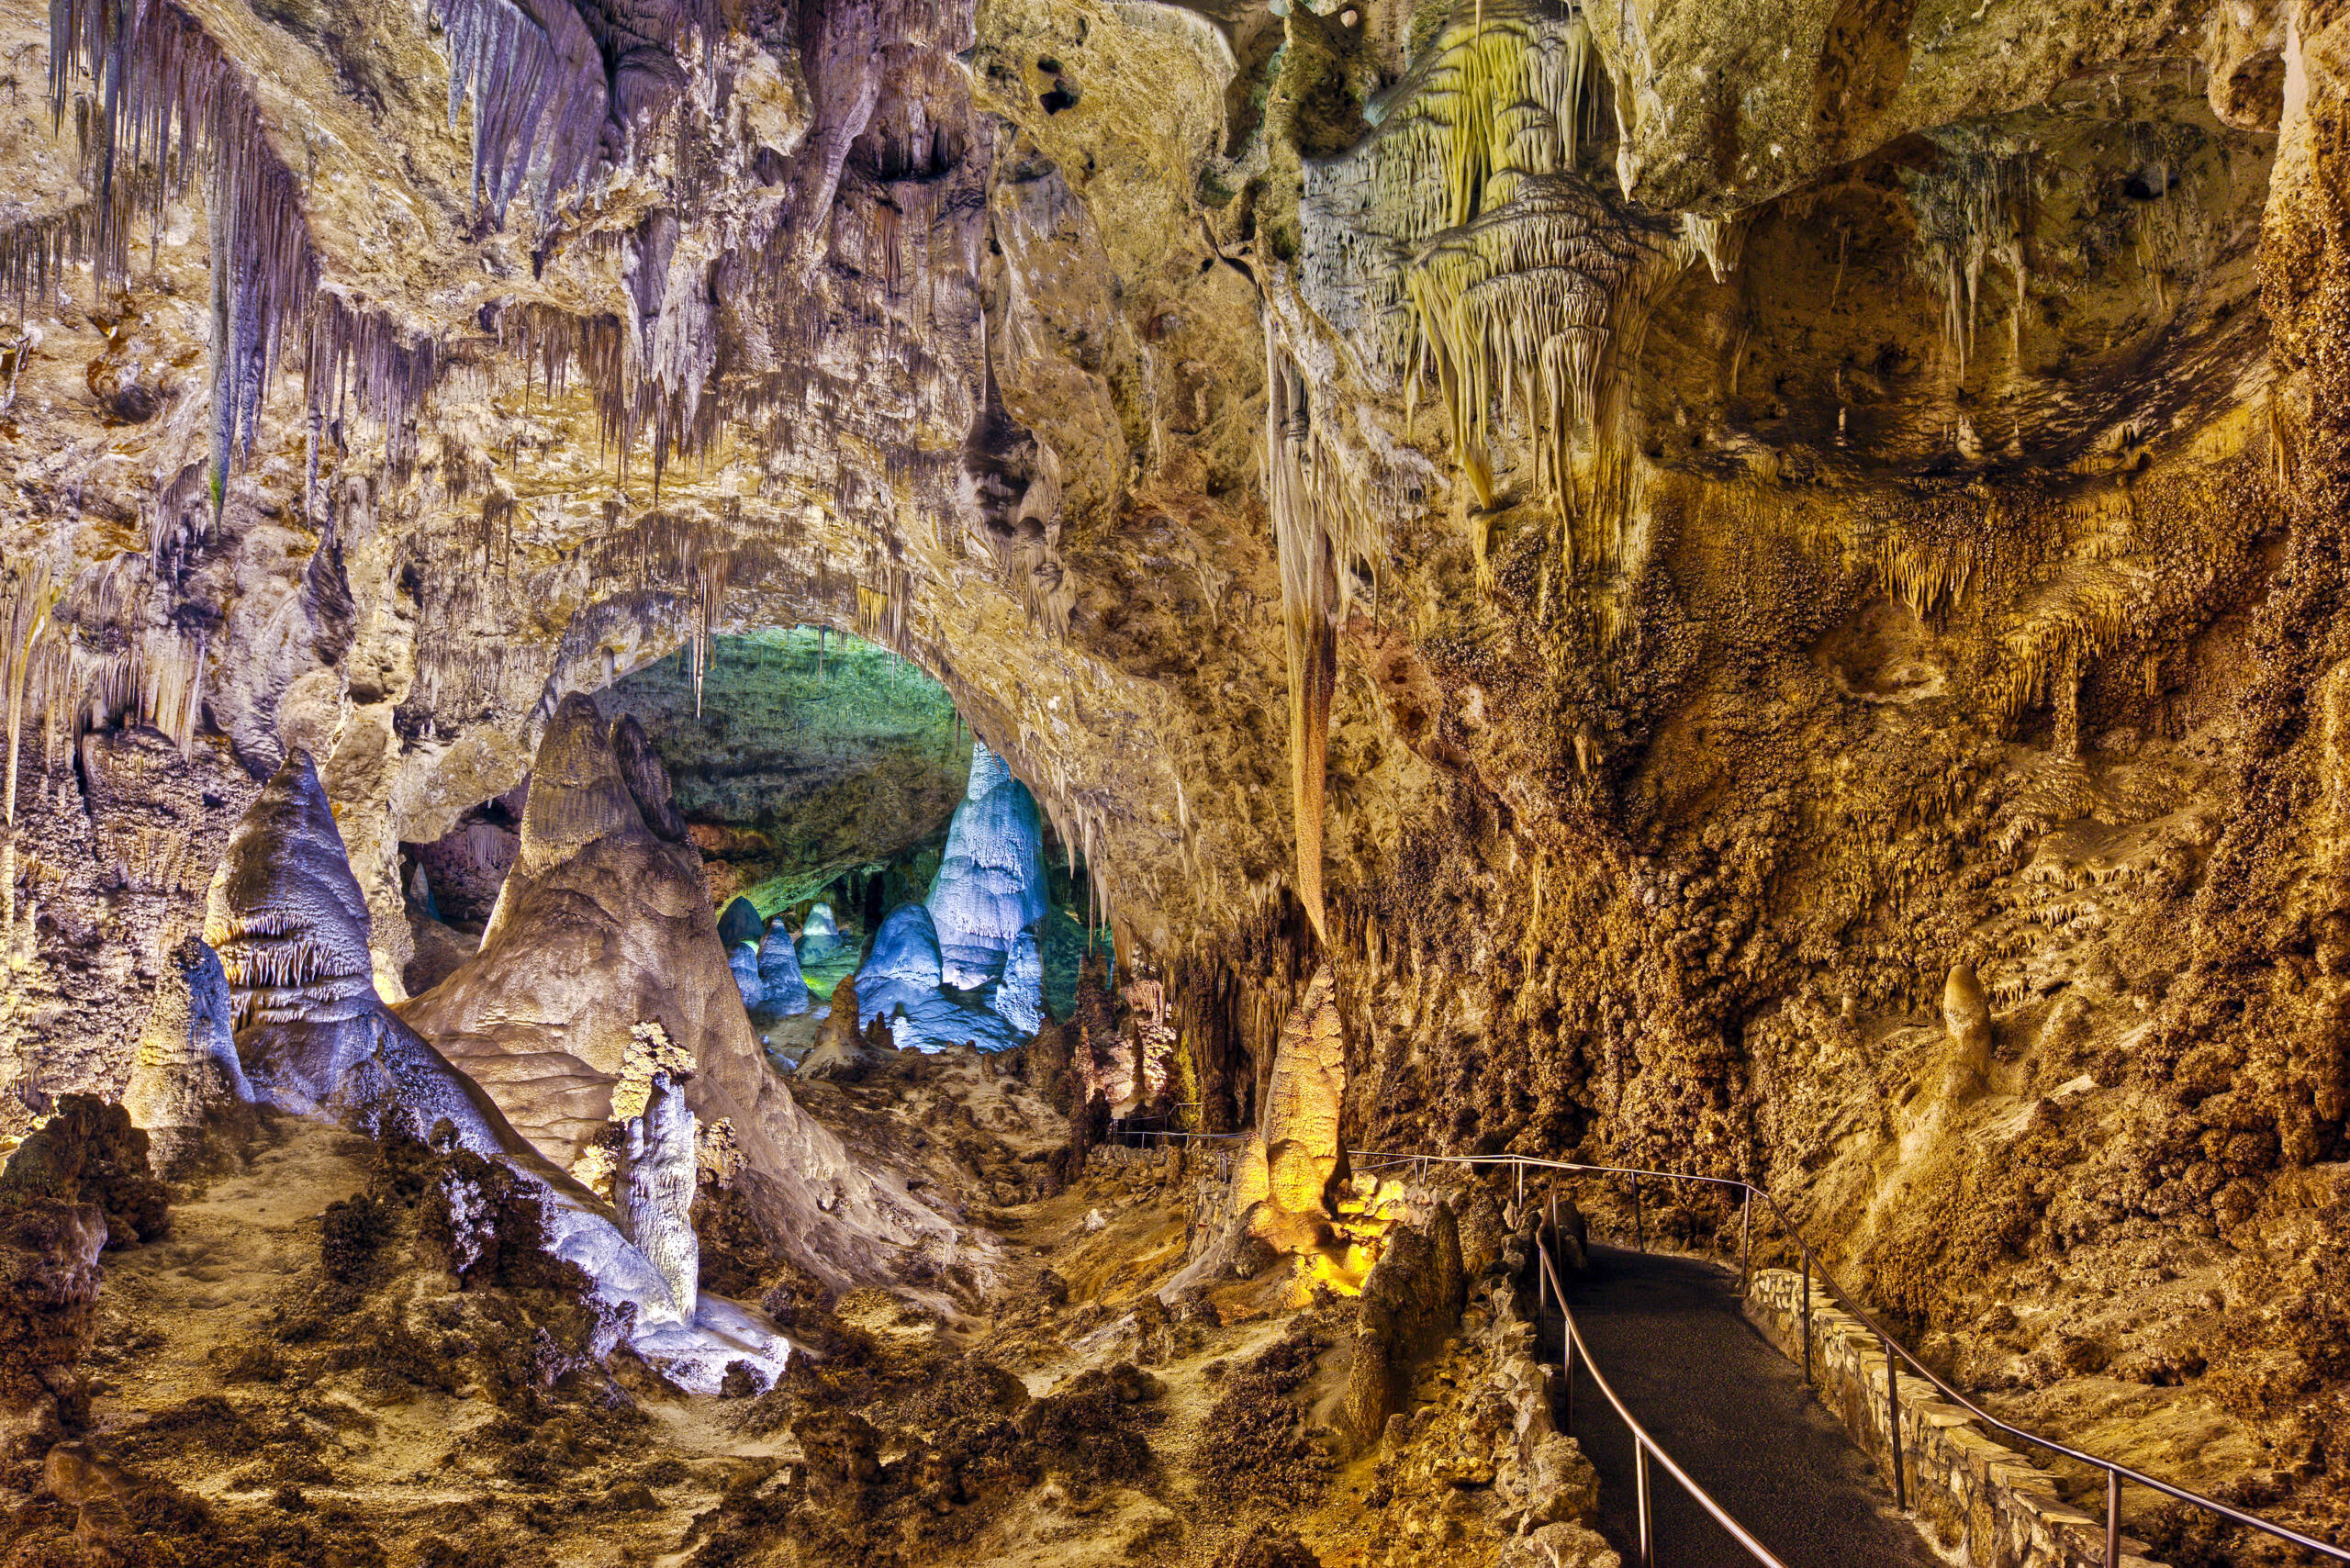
point(991, 885)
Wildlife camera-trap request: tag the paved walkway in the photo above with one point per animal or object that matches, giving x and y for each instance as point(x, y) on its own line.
point(1732, 1412)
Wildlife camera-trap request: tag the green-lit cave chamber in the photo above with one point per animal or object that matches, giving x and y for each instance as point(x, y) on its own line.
point(819, 777)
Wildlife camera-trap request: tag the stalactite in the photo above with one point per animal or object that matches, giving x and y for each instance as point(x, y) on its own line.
point(35, 253)
point(171, 688)
point(1531, 307)
point(538, 92)
point(29, 603)
point(1502, 97)
point(1971, 209)
point(1309, 606)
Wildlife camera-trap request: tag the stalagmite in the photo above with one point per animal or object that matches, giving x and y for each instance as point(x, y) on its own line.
point(743, 960)
point(654, 1190)
point(901, 986)
point(782, 991)
point(820, 938)
point(1301, 1118)
point(290, 926)
point(187, 1077)
point(991, 885)
point(1019, 996)
point(1966, 1019)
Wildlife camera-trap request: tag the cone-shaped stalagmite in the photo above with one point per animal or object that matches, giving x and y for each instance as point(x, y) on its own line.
point(187, 1076)
point(289, 923)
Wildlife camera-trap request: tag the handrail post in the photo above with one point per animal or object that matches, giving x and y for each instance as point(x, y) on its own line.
point(1521, 1185)
point(1541, 1282)
point(1745, 1243)
point(1893, 1426)
point(1567, 1364)
point(1638, 1244)
point(1640, 1468)
point(1806, 1316)
point(2112, 1517)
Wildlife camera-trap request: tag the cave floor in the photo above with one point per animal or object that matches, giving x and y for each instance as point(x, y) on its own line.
point(1732, 1412)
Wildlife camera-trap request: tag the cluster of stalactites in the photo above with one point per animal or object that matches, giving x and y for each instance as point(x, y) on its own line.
point(56, 684)
point(1504, 94)
point(686, 555)
point(538, 92)
point(1525, 310)
point(1971, 210)
point(164, 95)
point(1522, 285)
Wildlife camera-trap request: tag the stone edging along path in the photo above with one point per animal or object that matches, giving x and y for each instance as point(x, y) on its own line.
point(1978, 1502)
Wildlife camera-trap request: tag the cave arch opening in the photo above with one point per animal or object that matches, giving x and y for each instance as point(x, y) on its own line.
point(851, 826)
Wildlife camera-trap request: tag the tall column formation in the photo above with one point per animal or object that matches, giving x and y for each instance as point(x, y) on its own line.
point(991, 885)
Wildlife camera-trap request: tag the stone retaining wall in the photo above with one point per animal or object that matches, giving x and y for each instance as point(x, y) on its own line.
point(1980, 1503)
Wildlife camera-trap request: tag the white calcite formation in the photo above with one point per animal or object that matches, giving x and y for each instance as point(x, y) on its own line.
point(783, 991)
point(290, 926)
point(742, 959)
point(991, 885)
point(820, 939)
point(901, 983)
point(1019, 996)
point(654, 1190)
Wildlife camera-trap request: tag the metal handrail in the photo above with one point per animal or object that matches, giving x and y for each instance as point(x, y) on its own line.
point(1643, 1445)
point(2115, 1471)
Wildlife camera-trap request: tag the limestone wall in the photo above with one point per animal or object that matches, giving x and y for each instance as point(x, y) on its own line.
point(1981, 1504)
